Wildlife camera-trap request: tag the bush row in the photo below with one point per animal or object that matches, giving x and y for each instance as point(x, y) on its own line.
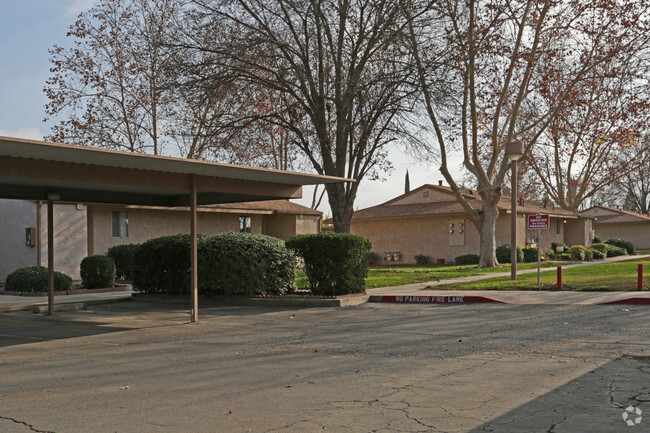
point(228, 263)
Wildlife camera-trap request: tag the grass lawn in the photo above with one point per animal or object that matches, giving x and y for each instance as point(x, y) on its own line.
point(599, 277)
point(399, 275)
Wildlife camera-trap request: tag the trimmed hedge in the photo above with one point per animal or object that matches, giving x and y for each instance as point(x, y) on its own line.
point(335, 263)
point(245, 264)
point(228, 264)
point(621, 243)
point(577, 249)
point(614, 251)
point(34, 279)
point(503, 254)
point(421, 259)
point(123, 255)
point(467, 259)
point(602, 248)
point(597, 254)
point(597, 240)
point(97, 272)
point(530, 254)
point(162, 265)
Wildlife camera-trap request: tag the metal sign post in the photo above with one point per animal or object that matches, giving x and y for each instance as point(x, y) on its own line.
point(539, 222)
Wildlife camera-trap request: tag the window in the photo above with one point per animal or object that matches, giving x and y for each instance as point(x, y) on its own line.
point(425, 194)
point(120, 222)
point(245, 224)
point(558, 226)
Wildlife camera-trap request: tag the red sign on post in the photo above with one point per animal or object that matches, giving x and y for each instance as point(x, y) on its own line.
point(539, 222)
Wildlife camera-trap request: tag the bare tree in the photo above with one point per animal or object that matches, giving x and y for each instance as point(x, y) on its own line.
point(110, 87)
point(339, 72)
point(500, 55)
point(592, 142)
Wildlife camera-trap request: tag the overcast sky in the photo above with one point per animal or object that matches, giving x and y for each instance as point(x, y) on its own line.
point(28, 28)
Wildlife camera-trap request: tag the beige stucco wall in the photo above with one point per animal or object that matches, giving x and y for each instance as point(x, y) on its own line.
point(430, 236)
point(578, 232)
point(307, 224)
point(15, 217)
point(637, 233)
point(70, 244)
point(280, 226)
point(145, 224)
point(412, 236)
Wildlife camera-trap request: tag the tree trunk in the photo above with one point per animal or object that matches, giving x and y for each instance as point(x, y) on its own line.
point(487, 233)
point(341, 208)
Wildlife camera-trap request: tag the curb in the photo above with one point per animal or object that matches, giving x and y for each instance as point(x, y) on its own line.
point(629, 301)
point(62, 307)
point(298, 301)
point(443, 299)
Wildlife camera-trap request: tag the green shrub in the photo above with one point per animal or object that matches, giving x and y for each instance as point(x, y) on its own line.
point(335, 263)
point(564, 256)
point(503, 254)
point(123, 255)
point(597, 240)
point(614, 251)
point(467, 259)
point(577, 249)
point(556, 244)
point(35, 279)
point(162, 265)
point(97, 272)
point(228, 264)
point(626, 245)
point(245, 264)
point(372, 258)
point(422, 259)
point(602, 248)
point(552, 255)
point(597, 254)
point(530, 254)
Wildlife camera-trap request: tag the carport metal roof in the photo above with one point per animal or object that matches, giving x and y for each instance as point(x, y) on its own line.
point(36, 170)
point(32, 169)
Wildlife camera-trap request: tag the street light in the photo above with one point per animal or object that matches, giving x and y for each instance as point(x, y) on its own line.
point(514, 151)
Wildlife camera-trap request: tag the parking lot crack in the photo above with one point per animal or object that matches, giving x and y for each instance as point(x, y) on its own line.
point(29, 426)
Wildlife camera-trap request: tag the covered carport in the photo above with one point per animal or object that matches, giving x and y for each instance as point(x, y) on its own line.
point(35, 170)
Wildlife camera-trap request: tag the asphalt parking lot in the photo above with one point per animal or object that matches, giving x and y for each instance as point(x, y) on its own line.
point(139, 367)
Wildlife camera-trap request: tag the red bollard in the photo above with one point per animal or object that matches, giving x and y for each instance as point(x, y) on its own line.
point(639, 282)
point(559, 277)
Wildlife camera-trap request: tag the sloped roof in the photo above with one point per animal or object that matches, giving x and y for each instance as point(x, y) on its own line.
point(621, 216)
point(450, 207)
point(276, 206)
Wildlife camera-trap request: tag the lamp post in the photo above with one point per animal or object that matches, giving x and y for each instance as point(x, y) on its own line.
point(514, 151)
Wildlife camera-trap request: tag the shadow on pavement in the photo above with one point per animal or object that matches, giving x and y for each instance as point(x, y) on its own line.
point(610, 398)
point(25, 327)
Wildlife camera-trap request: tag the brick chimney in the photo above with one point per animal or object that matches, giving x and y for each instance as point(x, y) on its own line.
point(521, 201)
point(439, 183)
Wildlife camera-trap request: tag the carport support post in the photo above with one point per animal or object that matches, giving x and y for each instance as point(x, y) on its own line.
point(193, 252)
point(50, 256)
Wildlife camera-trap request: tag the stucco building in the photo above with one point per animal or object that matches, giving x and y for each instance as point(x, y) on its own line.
point(429, 221)
point(82, 230)
point(610, 222)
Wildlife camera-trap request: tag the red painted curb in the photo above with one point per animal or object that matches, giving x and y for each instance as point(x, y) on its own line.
point(631, 301)
point(445, 299)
